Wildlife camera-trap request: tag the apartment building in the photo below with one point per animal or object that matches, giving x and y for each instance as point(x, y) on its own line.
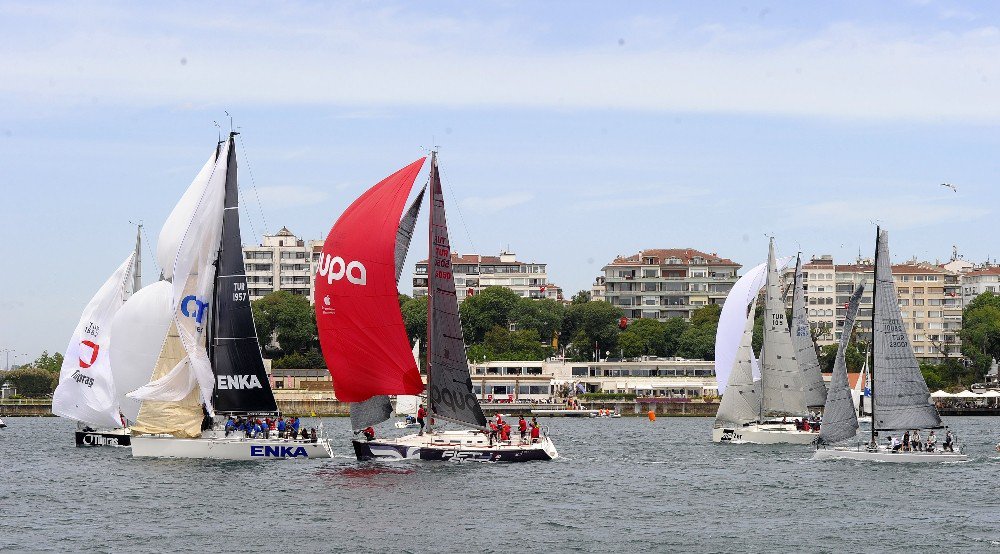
point(667, 282)
point(281, 261)
point(820, 283)
point(980, 280)
point(474, 272)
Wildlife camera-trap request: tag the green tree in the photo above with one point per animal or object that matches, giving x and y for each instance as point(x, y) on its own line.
point(673, 328)
point(698, 340)
point(488, 309)
point(288, 318)
point(32, 382)
point(415, 318)
point(52, 364)
point(589, 323)
point(544, 316)
point(581, 297)
point(854, 357)
point(643, 337)
point(981, 332)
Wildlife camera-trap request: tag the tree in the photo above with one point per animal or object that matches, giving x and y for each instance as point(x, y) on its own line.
point(488, 309)
point(288, 318)
point(581, 297)
point(415, 319)
point(589, 323)
point(981, 332)
point(854, 357)
point(643, 337)
point(698, 340)
point(673, 328)
point(32, 382)
point(52, 364)
point(544, 316)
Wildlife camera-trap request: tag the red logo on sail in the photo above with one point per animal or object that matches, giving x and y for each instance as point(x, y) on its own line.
point(94, 349)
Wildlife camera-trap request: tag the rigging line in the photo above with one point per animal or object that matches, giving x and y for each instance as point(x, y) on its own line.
point(152, 256)
point(458, 205)
point(253, 183)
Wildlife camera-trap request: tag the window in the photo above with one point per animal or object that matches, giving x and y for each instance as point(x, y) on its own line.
point(918, 301)
point(933, 314)
point(903, 290)
point(904, 302)
point(918, 290)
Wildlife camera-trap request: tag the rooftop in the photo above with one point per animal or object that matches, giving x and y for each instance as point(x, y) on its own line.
point(685, 255)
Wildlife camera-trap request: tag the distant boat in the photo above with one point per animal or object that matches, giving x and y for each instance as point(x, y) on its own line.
point(364, 340)
point(860, 393)
point(208, 361)
point(2, 424)
point(762, 411)
point(900, 399)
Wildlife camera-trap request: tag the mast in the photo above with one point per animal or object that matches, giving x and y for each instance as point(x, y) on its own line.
point(871, 367)
point(137, 277)
point(430, 291)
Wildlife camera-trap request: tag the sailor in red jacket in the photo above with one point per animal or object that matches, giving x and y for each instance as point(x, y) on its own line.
point(522, 426)
point(421, 414)
point(536, 430)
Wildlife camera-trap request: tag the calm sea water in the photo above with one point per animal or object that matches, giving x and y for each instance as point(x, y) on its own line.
point(622, 485)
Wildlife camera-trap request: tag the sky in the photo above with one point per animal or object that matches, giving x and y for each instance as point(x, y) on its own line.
point(569, 132)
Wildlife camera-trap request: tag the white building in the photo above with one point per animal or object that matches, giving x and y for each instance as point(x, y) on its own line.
point(978, 281)
point(281, 262)
point(474, 272)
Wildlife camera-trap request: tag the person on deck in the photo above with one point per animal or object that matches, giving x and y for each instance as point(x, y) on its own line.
point(369, 433)
point(931, 441)
point(281, 427)
point(265, 428)
point(295, 427)
point(805, 425)
point(522, 426)
point(493, 432)
point(421, 414)
point(312, 435)
point(230, 425)
point(894, 444)
point(906, 441)
point(536, 430)
point(915, 442)
point(949, 441)
point(505, 432)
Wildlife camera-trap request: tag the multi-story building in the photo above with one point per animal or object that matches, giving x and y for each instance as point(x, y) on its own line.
point(597, 289)
point(819, 282)
point(980, 280)
point(281, 261)
point(474, 272)
point(668, 282)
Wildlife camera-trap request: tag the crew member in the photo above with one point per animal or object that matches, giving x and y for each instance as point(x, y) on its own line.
point(522, 426)
point(369, 433)
point(421, 414)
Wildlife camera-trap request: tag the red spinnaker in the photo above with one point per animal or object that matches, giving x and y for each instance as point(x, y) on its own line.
point(361, 328)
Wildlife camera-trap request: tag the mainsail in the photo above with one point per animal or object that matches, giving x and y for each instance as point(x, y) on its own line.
point(448, 381)
point(86, 390)
point(780, 375)
point(241, 383)
point(813, 387)
point(360, 325)
point(899, 393)
point(741, 402)
point(839, 420)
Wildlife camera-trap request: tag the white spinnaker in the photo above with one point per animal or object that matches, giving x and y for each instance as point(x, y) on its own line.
point(139, 329)
point(86, 390)
point(177, 222)
point(407, 405)
point(733, 318)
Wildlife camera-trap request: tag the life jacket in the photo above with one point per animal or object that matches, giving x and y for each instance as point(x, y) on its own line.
point(421, 413)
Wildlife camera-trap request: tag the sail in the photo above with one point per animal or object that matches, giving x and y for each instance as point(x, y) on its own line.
point(139, 329)
point(813, 387)
point(741, 402)
point(839, 420)
point(900, 395)
point(406, 404)
point(779, 369)
point(86, 390)
point(181, 415)
point(180, 217)
point(241, 382)
point(448, 381)
point(360, 325)
point(377, 409)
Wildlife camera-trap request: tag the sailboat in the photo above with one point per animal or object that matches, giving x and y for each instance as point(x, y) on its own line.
point(364, 340)
point(87, 391)
point(209, 360)
point(813, 387)
point(780, 386)
point(900, 399)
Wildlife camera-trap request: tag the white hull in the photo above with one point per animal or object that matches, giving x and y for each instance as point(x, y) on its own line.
point(233, 448)
point(2, 424)
point(566, 413)
point(884, 455)
point(454, 446)
point(764, 433)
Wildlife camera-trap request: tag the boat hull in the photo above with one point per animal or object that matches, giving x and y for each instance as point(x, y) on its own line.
point(460, 446)
point(103, 438)
point(566, 413)
point(883, 455)
point(778, 433)
point(228, 448)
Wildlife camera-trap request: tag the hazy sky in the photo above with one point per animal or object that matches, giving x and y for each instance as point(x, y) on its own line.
point(571, 132)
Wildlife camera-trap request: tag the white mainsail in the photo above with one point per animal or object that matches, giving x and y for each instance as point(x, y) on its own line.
point(86, 390)
point(139, 329)
point(179, 220)
point(780, 376)
point(840, 421)
point(899, 393)
point(813, 387)
point(741, 402)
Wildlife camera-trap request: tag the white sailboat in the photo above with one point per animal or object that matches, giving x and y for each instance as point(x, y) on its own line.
point(88, 390)
point(364, 340)
point(780, 392)
point(208, 360)
point(813, 387)
point(900, 399)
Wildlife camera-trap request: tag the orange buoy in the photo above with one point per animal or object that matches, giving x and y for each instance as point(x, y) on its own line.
point(652, 415)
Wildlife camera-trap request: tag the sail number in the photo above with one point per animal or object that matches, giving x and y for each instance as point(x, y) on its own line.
point(777, 320)
point(239, 292)
point(896, 333)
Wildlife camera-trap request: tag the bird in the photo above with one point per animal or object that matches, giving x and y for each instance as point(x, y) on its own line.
point(951, 186)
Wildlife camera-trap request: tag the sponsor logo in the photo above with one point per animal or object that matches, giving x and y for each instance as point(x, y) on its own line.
point(278, 452)
point(81, 378)
point(237, 382)
point(192, 306)
point(100, 440)
point(94, 349)
point(327, 308)
point(334, 268)
point(457, 401)
point(459, 456)
point(730, 435)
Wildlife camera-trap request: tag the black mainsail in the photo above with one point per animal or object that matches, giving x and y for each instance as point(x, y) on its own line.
point(241, 383)
point(449, 384)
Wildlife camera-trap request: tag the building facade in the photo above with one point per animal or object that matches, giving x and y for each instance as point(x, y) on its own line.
point(980, 280)
point(281, 261)
point(666, 283)
point(474, 272)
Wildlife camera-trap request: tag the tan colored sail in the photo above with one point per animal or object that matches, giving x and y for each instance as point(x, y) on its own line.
point(180, 419)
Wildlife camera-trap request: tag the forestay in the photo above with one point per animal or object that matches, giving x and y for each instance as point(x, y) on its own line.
point(840, 422)
point(813, 387)
point(782, 395)
point(900, 396)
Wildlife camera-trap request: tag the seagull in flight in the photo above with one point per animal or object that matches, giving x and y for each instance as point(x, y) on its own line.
point(951, 186)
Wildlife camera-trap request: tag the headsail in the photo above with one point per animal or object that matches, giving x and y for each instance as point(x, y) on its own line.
point(813, 387)
point(241, 383)
point(180, 413)
point(900, 396)
point(448, 381)
point(741, 402)
point(360, 324)
point(86, 390)
point(139, 329)
point(779, 370)
point(839, 420)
